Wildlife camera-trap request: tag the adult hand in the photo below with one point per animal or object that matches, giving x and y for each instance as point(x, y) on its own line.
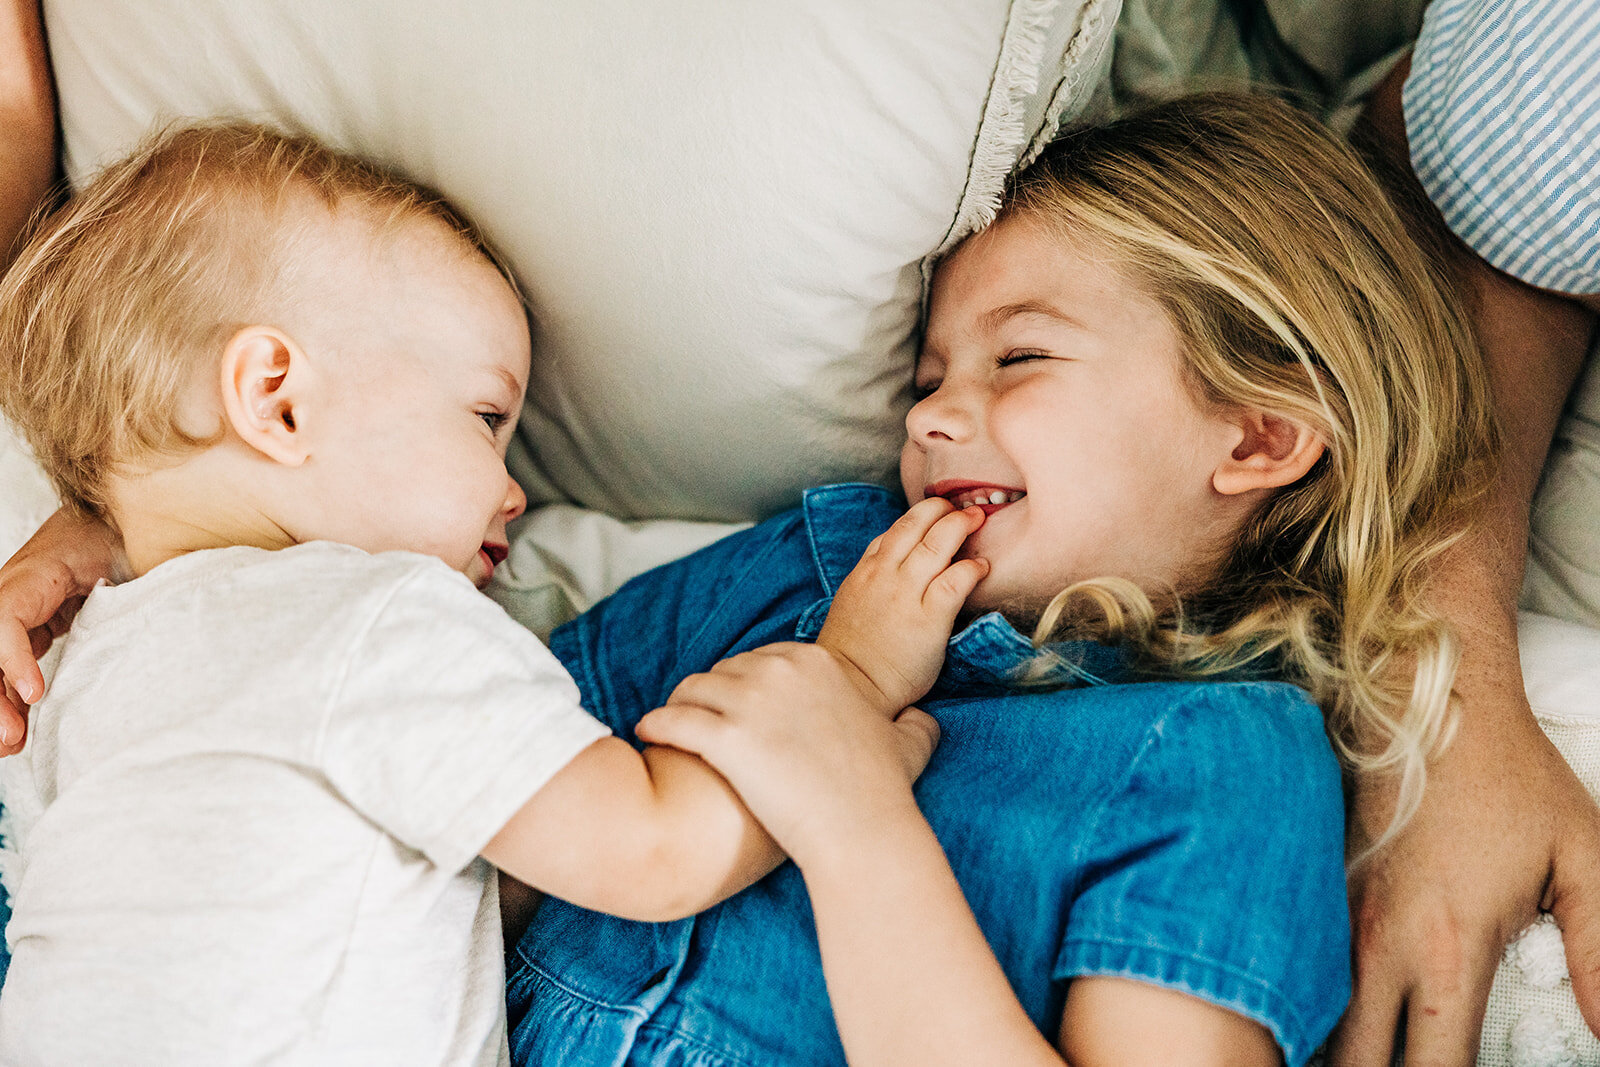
point(1505, 829)
point(41, 589)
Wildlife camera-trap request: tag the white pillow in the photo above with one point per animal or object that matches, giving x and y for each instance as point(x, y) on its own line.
point(26, 496)
point(720, 211)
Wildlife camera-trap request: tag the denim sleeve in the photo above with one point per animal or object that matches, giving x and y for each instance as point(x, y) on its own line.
point(629, 651)
point(1217, 868)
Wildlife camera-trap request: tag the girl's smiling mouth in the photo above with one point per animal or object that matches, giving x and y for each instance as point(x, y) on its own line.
point(966, 494)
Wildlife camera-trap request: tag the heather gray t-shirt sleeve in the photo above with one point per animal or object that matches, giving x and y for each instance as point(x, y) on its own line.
point(449, 717)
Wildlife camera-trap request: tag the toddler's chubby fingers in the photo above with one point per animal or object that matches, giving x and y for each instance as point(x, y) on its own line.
point(713, 689)
point(688, 727)
point(741, 685)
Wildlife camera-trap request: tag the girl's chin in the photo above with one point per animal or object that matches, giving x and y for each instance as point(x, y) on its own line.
point(1019, 607)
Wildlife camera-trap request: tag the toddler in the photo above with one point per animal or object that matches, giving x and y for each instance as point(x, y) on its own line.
point(269, 760)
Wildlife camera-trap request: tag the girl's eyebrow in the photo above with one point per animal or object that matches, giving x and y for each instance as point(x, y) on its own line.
point(995, 318)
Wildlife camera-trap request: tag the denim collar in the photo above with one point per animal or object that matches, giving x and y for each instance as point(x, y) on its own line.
point(989, 653)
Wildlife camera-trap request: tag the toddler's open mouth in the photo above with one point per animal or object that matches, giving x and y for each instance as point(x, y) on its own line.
point(496, 553)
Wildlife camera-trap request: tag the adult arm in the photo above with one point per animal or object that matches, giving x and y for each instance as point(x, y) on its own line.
point(27, 120)
point(1505, 827)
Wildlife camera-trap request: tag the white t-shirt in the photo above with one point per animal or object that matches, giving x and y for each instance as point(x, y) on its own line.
point(265, 780)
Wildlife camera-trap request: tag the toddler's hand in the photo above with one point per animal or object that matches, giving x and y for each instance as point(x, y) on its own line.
point(41, 589)
point(791, 730)
point(893, 613)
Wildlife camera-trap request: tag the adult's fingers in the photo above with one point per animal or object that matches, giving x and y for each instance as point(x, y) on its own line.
point(19, 663)
point(1366, 1035)
point(1444, 1018)
point(1574, 900)
point(13, 721)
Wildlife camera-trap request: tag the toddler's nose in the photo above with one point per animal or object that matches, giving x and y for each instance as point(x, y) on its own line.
point(516, 500)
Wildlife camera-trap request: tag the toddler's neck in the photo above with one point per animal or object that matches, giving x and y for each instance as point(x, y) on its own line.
point(204, 502)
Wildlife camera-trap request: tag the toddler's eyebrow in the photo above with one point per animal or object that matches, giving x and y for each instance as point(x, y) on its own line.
point(513, 387)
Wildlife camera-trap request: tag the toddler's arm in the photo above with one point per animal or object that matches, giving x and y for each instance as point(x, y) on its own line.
point(660, 835)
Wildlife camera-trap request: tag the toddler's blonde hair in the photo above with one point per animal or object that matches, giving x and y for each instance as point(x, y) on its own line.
point(121, 295)
point(1294, 288)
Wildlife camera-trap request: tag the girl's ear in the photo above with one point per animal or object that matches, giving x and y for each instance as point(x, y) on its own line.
point(265, 376)
point(1273, 451)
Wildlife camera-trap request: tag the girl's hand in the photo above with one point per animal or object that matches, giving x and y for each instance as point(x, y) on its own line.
point(811, 756)
point(41, 589)
point(893, 613)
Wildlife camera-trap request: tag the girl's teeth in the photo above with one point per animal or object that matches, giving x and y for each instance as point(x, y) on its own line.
point(995, 497)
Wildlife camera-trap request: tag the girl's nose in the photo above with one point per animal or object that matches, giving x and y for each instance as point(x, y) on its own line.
point(942, 415)
point(516, 500)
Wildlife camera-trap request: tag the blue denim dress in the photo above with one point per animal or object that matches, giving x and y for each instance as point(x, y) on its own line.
point(1184, 834)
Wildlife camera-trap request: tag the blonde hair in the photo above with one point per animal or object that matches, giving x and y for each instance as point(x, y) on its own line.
point(1295, 289)
point(120, 296)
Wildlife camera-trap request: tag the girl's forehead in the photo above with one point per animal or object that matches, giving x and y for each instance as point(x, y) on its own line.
point(1024, 271)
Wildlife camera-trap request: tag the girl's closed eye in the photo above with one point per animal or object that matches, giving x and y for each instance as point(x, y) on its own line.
point(1008, 359)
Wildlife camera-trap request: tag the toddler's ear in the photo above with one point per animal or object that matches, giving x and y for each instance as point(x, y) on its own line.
point(1273, 451)
point(263, 374)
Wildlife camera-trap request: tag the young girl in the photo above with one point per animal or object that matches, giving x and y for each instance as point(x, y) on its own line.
point(1220, 417)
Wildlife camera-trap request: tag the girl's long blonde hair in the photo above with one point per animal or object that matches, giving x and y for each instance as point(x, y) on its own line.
point(1295, 289)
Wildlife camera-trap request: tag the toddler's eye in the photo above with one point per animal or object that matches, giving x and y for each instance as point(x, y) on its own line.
point(493, 419)
point(923, 390)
